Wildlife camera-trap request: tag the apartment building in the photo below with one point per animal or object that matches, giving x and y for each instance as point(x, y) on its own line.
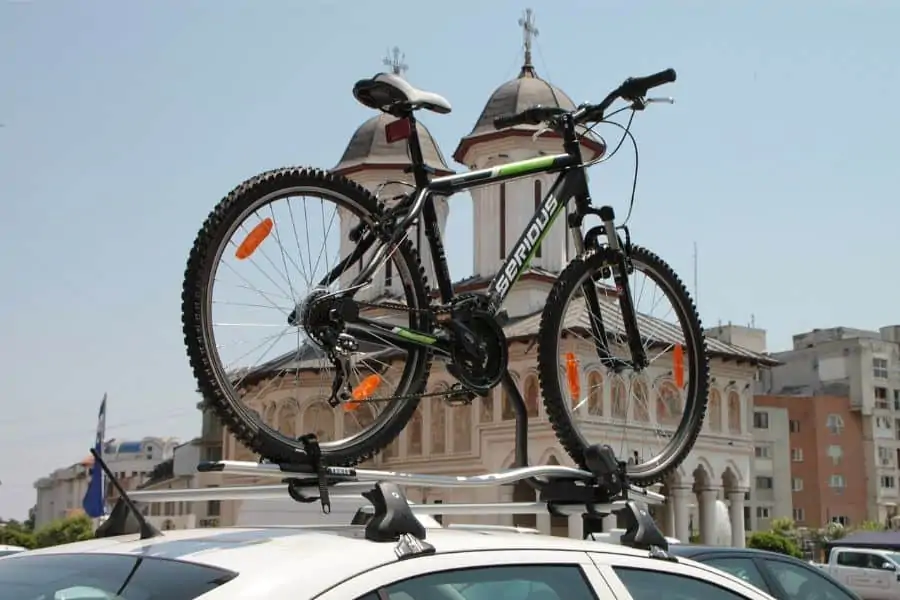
point(828, 471)
point(60, 494)
point(864, 367)
point(771, 495)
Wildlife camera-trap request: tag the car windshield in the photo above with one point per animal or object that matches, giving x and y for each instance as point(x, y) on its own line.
point(105, 577)
point(894, 556)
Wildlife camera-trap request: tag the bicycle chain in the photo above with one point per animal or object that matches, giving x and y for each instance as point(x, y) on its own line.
point(432, 310)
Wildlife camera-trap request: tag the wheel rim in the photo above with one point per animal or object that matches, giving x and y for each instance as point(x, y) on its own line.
point(624, 409)
point(368, 421)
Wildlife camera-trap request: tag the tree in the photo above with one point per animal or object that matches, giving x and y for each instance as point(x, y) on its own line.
point(774, 542)
point(64, 531)
point(14, 533)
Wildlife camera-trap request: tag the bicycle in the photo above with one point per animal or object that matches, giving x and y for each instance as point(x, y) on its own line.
point(464, 331)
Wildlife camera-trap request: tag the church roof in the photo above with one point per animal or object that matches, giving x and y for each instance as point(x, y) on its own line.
point(369, 148)
point(514, 96)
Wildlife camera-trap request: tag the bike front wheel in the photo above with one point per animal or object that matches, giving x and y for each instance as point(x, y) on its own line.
point(594, 393)
point(256, 266)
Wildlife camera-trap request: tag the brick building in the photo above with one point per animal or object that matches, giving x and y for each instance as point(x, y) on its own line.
point(829, 480)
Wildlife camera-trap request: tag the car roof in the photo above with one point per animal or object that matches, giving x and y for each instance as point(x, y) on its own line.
point(690, 550)
point(273, 554)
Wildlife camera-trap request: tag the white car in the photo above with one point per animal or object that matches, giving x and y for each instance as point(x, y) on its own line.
point(390, 551)
point(339, 563)
point(7, 550)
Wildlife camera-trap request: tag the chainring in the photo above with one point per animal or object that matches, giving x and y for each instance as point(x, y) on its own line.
point(480, 374)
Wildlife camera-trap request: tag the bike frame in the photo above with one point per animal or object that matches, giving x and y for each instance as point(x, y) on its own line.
point(570, 184)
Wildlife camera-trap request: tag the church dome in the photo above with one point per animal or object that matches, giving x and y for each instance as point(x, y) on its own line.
point(369, 148)
point(514, 96)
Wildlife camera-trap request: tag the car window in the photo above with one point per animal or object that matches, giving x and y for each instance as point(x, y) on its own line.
point(862, 560)
point(8, 552)
point(643, 584)
point(802, 583)
point(743, 568)
point(105, 577)
point(519, 582)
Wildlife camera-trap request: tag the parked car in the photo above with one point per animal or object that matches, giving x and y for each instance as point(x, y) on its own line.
point(871, 573)
point(339, 563)
point(783, 577)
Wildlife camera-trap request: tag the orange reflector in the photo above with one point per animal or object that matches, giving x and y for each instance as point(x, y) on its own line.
point(253, 240)
point(572, 375)
point(363, 391)
point(678, 365)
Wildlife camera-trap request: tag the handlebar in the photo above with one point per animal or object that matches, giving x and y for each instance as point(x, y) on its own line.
point(633, 89)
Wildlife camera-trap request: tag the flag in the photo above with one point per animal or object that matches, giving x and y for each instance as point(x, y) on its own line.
point(94, 503)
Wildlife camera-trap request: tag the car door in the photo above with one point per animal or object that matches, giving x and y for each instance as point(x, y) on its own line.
point(861, 571)
point(480, 575)
point(638, 578)
point(801, 582)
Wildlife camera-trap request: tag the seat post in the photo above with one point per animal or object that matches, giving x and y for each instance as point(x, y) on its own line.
point(420, 170)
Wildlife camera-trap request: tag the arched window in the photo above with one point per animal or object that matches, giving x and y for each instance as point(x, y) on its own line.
point(734, 412)
point(531, 396)
point(461, 425)
point(502, 220)
point(619, 399)
point(714, 410)
point(319, 419)
point(270, 413)
point(287, 417)
point(507, 413)
point(538, 196)
point(414, 434)
point(595, 394)
point(641, 401)
point(438, 426)
point(668, 404)
point(357, 420)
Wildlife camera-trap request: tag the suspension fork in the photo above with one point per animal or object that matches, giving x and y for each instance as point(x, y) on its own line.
point(588, 288)
point(623, 289)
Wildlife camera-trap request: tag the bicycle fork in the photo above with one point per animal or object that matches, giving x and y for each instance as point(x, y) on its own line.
point(623, 291)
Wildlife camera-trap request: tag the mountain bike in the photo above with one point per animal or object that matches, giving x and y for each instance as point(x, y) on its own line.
point(342, 330)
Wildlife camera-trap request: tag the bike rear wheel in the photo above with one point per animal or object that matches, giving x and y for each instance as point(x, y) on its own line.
point(586, 415)
point(266, 405)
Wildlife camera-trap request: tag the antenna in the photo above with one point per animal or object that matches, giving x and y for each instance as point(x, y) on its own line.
point(529, 32)
point(117, 522)
point(394, 60)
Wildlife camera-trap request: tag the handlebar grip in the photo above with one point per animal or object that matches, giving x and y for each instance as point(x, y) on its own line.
point(639, 86)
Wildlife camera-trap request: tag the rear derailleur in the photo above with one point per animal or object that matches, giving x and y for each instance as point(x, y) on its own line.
point(479, 354)
point(322, 316)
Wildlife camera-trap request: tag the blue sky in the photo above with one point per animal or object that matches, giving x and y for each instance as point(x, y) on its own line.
point(124, 123)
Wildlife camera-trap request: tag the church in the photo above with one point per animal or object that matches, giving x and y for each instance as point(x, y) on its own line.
point(475, 438)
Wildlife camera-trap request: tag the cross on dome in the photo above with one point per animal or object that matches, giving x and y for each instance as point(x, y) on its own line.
point(394, 60)
point(529, 32)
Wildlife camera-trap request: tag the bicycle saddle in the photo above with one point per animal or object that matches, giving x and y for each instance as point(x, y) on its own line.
point(385, 91)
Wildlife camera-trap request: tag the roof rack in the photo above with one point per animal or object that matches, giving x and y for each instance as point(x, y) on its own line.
point(599, 490)
point(564, 491)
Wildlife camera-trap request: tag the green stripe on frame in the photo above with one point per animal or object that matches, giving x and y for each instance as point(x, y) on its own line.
point(523, 167)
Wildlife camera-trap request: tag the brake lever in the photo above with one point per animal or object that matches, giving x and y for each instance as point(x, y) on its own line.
point(540, 132)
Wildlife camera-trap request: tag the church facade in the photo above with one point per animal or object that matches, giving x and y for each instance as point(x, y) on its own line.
point(478, 438)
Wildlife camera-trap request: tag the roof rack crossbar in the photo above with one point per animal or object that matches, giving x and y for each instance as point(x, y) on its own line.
point(343, 475)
